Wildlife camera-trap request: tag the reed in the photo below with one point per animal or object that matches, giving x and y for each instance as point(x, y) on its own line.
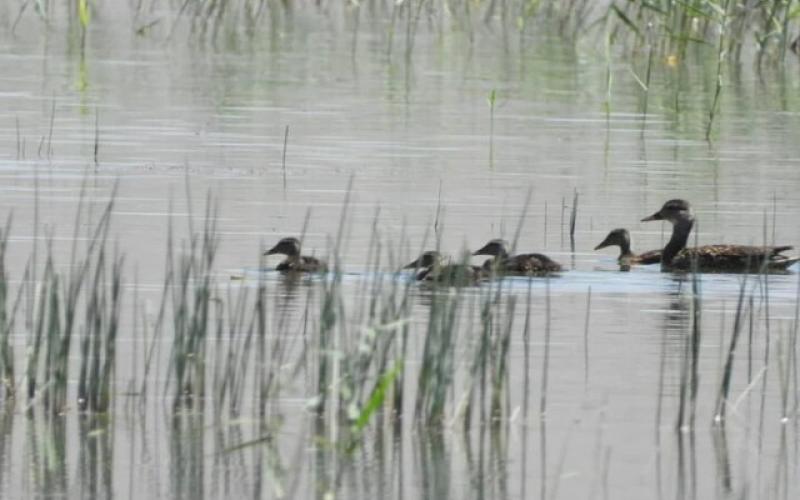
point(96, 149)
point(725, 384)
point(500, 400)
point(723, 26)
point(283, 156)
point(190, 298)
point(8, 317)
point(233, 353)
point(695, 343)
point(437, 365)
point(492, 100)
point(573, 218)
point(55, 318)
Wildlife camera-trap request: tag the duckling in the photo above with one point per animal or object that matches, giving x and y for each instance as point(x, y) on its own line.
point(713, 258)
point(431, 267)
point(622, 238)
point(294, 262)
point(530, 264)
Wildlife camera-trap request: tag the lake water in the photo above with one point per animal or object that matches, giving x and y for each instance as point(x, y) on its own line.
point(178, 118)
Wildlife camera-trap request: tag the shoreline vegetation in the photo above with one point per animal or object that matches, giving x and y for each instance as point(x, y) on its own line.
point(657, 40)
point(665, 28)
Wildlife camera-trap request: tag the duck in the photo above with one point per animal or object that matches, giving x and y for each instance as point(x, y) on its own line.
point(621, 237)
point(713, 258)
point(529, 264)
point(295, 262)
point(431, 267)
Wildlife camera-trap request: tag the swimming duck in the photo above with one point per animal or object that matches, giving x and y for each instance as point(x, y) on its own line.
point(712, 258)
point(431, 267)
point(529, 264)
point(294, 262)
point(621, 237)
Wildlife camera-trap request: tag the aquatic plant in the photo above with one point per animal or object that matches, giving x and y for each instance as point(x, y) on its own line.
point(369, 353)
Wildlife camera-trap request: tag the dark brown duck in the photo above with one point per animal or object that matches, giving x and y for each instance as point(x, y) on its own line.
point(621, 237)
point(529, 264)
point(713, 258)
point(431, 266)
point(295, 262)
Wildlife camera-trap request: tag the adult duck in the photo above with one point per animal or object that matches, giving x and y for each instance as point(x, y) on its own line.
point(431, 267)
point(621, 237)
point(529, 264)
point(295, 262)
point(713, 258)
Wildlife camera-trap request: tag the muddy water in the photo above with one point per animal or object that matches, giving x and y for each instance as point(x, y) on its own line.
point(175, 120)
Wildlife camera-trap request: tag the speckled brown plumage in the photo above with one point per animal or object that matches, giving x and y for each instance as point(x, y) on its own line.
point(530, 264)
point(651, 257)
point(295, 262)
point(733, 258)
point(431, 267)
point(713, 258)
point(621, 238)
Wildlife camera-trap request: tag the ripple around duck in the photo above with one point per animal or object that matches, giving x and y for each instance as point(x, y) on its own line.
point(640, 280)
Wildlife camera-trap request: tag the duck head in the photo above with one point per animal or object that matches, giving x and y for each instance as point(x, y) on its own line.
point(619, 237)
point(287, 246)
point(495, 248)
point(427, 259)
point(673, 211)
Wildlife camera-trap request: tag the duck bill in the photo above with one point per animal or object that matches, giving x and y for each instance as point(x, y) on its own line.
point(481, 251)
point(412, 265)
point(272, 251)
point(604, 244)
point(655, 216)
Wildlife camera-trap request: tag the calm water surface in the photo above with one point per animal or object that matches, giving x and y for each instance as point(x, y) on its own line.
point(179, 119)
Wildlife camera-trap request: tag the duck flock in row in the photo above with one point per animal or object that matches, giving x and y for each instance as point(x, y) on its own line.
point(675, 256)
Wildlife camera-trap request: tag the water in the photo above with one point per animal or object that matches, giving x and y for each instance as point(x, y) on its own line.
point(179, 119)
